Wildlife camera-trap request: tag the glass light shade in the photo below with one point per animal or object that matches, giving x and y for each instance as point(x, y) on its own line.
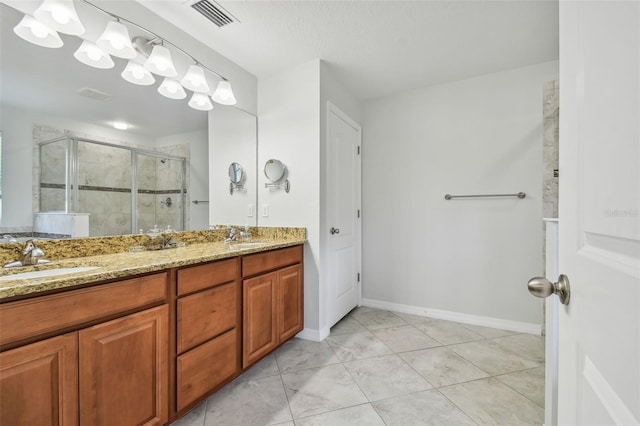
point(200, 101)
point(223, 94)
point(116, 41)
point(90, 54)
point(137, 74)
point(60, 15)
point(172, 89)
point(34, 31)
point(160, 62)
point(194, 80)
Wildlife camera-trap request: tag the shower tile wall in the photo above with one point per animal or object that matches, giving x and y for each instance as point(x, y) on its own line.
point(550, 111)
point(104, 179)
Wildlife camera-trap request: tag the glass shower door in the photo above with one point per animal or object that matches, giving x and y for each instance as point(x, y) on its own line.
point(160, 192)
point(104, 187)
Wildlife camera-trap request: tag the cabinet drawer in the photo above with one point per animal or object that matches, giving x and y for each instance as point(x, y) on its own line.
point(268, 261)
point(202, 369)
point(46, 314)
point(208, 275)
point(204, 315)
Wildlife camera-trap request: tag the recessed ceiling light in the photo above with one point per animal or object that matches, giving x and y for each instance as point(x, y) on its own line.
point(120, 125)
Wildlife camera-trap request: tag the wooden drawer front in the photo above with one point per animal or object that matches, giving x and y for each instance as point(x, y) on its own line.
point(268, 261)
point(39, 383)
point(202, 369)
point(206, 314)
point(199, 277)
point(33, 317)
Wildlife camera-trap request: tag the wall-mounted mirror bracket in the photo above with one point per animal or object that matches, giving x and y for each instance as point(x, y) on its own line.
point(286, 185)
point(234, 186)
point(236, 176)
point(275, 172)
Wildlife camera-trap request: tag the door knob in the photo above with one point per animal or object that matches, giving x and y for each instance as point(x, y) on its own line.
point(334, 231)
point(542, 287)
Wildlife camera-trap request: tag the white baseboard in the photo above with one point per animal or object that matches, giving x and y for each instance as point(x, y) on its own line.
point(521, 327)
point(313, 334)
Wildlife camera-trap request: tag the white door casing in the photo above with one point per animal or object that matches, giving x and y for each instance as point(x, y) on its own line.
point(599, 211)
point(343, 206)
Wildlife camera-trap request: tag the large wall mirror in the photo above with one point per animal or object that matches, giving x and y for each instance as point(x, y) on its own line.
point(48, 94)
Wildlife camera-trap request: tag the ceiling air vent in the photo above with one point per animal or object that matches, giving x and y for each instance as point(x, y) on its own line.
point(94, 94)
point(212, 12)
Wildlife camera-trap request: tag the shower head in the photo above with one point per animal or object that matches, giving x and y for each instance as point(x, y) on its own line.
point(163, 160)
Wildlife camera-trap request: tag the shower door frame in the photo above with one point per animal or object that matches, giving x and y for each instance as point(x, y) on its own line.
point(72, 190)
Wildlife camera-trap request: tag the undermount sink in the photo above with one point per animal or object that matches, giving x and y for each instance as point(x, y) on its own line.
point(48, 273)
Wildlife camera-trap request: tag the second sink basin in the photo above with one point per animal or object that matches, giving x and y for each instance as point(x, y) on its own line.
point(48, 273)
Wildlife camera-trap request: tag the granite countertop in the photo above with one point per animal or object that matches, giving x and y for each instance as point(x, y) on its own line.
point(126, 264)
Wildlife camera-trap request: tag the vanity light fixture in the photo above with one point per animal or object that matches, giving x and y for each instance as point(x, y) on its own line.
point(200, 101)
point(115, 40)
point(120, 125)
point(137, 74)
point(223, 94)
point(34, 31)
point(60, 15)
point(90, 54)
point(160, 63)
point(194, 79)
point(172, 89)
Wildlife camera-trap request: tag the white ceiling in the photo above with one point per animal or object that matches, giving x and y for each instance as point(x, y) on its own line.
point(375, 48)
point(378, 48)
point(46, 81)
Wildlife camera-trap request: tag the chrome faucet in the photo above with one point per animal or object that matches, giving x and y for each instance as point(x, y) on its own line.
point(234, 234)
point(31, 255)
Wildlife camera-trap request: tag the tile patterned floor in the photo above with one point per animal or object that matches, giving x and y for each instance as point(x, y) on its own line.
point(385, 368)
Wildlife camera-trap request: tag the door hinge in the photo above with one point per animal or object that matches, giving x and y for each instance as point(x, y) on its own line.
point(358, 276)
point(358, 149)
point(358, 213)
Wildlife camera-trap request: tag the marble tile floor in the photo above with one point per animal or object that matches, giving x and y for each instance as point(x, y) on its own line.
point(385, 368)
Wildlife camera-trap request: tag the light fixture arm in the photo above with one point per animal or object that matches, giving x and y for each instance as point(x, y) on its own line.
point(156, 37)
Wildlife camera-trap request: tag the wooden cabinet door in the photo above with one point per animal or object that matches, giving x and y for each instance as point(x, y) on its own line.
point(123, 370)
point(39, 383)
point(290, 302)
point(259, 317)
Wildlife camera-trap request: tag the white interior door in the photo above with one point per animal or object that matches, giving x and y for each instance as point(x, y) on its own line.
point(343, 207)
point(599, 331)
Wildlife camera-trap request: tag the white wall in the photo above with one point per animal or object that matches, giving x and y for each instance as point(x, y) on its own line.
point(198, 173)
point(477, 136)
point(232, 139)
point(289, 130)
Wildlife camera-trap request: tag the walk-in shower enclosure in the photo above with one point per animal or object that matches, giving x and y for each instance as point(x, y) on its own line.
point(123, 189)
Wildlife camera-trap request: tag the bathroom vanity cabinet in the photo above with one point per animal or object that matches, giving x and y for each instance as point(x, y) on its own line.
point(146, 349)
point(273, 301)
point(98, 369)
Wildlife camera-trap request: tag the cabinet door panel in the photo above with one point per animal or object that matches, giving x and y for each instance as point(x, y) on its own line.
point(259, 317)
point(290, 302)
point(206, 314)
point(123, 370)
point(202, 369)
point(39, 383)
